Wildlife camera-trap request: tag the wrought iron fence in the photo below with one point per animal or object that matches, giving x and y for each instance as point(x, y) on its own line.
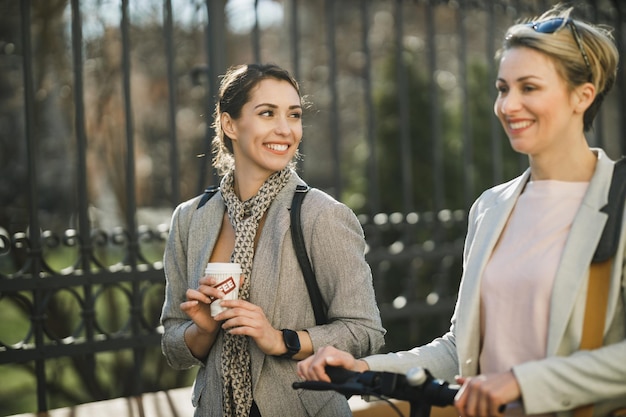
point(99, 144)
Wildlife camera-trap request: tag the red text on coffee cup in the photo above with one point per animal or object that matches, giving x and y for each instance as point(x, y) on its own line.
point(227, 286)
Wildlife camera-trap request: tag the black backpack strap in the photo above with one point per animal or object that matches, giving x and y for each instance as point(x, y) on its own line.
point(615, 209)
point(208, 193)
point(305, 265)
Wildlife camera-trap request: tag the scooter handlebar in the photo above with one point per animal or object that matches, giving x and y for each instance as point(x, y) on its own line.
point(418, 385)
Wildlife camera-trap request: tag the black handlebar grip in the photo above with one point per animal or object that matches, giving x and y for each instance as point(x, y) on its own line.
point(440, 393)
point(340, 375)
point(313, 385)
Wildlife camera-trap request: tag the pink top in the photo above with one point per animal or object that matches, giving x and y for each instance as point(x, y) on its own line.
point(517, 282)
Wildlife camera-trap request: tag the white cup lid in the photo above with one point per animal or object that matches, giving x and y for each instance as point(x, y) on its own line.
point(222, 268)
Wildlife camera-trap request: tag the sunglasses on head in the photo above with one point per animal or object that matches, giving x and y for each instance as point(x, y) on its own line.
point(553, 25)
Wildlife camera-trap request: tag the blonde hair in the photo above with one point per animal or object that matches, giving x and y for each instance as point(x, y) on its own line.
point(561, 46)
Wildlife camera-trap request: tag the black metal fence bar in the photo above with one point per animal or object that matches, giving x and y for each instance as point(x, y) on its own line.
point(168, 34)
point(294, 29)
point(83, 349)
point(131, 204)
point(84, 229)
point(333, 114)
point(370, 114)
point(35, 248)
point(216, 62)
point(495, 129)
point(438, 177)
point(99, 278)
point(467, 140)
point(403, 107)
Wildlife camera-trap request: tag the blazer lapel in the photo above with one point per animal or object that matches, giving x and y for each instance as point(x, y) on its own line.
point(267, 262)
point(488, 227)
point(573, 270)
point(204, 229)
point(267, 255)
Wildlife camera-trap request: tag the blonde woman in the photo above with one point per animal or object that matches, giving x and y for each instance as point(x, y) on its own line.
point(514, 340)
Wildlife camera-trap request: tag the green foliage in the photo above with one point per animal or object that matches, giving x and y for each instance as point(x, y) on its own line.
point(388, 136)
point(423, 270)
point(468, 145)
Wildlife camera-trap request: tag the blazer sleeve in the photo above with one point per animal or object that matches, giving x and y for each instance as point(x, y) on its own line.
point(582, 378)
point(440, 357)
point(336, 247)
point(173, 319)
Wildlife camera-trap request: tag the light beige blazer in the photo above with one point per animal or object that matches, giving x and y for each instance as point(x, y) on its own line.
point(567, 378)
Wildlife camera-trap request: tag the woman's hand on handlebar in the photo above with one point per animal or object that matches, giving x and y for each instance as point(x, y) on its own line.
point(486, 395)
point(313, 368)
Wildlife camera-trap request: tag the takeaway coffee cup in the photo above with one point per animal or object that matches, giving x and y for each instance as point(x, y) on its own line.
point(228, 276)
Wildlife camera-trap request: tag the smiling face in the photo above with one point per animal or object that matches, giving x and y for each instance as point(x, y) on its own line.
point(266, 135)
point(537, 110)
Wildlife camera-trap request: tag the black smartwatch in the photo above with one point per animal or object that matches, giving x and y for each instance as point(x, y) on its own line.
point(292, 342)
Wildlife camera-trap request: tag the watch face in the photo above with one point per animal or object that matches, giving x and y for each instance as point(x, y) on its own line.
point(292, 342)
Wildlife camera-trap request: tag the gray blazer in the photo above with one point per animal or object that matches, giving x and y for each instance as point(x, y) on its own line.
point(567, 378)
point(336, 246)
